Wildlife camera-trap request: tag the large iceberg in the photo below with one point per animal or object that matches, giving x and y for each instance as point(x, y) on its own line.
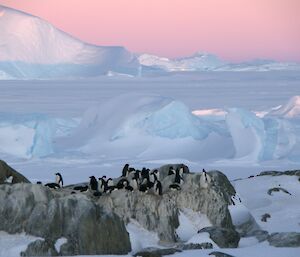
point(33, 48)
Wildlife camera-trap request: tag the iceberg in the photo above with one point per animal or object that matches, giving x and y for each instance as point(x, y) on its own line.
point(31, 48)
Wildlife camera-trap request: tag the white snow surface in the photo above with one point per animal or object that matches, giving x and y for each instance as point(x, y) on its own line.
point(13, 245)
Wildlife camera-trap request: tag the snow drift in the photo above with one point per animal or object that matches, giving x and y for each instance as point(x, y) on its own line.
point(147, 126)
point(33, 48)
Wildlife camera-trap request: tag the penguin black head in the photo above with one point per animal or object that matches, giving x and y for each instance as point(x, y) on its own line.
point(171, 171)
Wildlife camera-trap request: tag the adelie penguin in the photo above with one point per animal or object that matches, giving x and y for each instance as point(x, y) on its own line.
point(153, 176)
point(59, 179)
point(171, 171)
point(157, 187)
point(125, 170)
point(93, 183)
point(101, 184)
point(134, 183)
point(178, 178)
point(205, 179)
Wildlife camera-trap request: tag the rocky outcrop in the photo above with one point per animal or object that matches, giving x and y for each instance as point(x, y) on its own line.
point(96, 225)
point(280, 173)
point(285, 239)
point(223, 237)
point(50, 214)
point(40, 248)
point(160, 213)
point(6, 171)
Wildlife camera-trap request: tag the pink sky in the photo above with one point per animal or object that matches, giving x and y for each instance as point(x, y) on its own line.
point(235, 30)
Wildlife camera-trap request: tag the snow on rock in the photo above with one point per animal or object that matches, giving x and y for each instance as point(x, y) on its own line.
point(33, 48)
point(141, 238)
point(59, 242)
point(190, 223)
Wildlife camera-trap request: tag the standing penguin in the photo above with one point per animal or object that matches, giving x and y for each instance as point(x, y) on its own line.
point(125, 170)
point(134, 183)
point(101, 184)
point(59, 179)
point(178, 178)
point(93, 183)
point(157, 187)
point(205, 179)
point(152, 176)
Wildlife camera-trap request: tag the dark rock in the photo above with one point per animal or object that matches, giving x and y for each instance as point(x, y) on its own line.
point(265, 216)
point(247, 227)
point(192, 246)
point(156, 252)
point(260, 235)
point(284, 239)
point(270, 173)
point(7, 171)
point(277, 189)
point(224, 238)
point(40, 248)
point(292, 172)
point(220, 254)
point(280, 173)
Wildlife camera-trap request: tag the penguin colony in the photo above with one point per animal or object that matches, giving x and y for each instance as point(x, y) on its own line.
point(132, 179)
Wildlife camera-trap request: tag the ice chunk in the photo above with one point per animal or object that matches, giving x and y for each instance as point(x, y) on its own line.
point(290, 110)
point(247, 131)
point(259, 139)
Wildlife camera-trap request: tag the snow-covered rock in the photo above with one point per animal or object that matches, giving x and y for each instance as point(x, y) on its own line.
point(33, 48)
